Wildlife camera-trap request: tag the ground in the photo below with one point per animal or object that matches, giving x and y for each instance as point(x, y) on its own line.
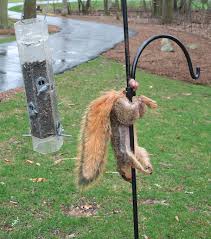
point(38, 196)
point(171, 64)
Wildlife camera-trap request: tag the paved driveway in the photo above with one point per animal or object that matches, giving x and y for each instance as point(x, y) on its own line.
point(76, 43)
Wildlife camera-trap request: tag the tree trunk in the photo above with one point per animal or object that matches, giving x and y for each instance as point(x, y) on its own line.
point(106, 7)
point(154, 8)
point(85, 6)
point(65, 8)
point(3, 14)
point(79, 6)
point(145, 5)
point(30, 9)
point(167, 11)
point(157, 8)
point(88, 6)
point(117, 9)
point(185, 6)
point(175, 5)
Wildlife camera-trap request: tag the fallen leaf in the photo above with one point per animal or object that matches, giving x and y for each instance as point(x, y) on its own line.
point(38, 164)
point(166, 97)
point(73, 235)
point(86, 210)
point(29, 161)
point(87, 206)
point(192, 209)
point(39, 180)
point(13, 202)
point(146, 237)
point(58, 161)
point(116, 211)
point(177, 218)
point(71, 104)
point(186, 94)
point(157, 185)
point(7, 161)
point(188, 192)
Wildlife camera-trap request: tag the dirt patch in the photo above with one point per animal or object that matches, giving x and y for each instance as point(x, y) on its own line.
point(170, 64)
point(9, 94)
point(81, 210)
point(62, 235)
point(154, 202)
point(7, 228)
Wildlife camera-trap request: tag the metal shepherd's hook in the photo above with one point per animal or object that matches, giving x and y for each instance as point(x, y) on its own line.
point(131, 74)
point(195, 75)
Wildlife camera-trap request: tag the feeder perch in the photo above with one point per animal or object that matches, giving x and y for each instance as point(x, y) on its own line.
point(36, 63)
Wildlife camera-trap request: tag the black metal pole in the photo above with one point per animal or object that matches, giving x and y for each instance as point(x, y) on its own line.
point(126, 40)
point(130, 94)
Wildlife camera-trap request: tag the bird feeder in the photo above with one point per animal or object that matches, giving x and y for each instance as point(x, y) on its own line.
point(36, 63)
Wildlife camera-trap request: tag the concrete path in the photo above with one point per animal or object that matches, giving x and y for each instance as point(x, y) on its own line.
point(76, 43)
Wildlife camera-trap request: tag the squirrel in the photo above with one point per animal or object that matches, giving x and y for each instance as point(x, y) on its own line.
point(109, 117)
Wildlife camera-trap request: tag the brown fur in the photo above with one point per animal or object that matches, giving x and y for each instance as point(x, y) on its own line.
point(123, 114)
point(94, 137)
point(110, 111)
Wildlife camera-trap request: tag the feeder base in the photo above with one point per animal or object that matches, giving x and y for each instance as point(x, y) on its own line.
point(47, 145)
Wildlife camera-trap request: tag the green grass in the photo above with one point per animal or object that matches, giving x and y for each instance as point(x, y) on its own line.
point(13, 1)
point(7, 39)
point(177, 135)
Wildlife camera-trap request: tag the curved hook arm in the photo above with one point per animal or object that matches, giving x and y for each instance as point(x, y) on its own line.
point(195, 75)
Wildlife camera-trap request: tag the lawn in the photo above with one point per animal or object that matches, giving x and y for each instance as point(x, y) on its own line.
point(173, 203)
point(7, 39)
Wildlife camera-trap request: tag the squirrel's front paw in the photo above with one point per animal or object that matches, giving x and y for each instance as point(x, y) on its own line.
point(149, 102)
point(148, 170)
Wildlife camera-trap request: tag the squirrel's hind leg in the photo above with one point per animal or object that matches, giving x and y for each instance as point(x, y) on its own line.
point(140, 160)
point(136, 163)
point(143, 157)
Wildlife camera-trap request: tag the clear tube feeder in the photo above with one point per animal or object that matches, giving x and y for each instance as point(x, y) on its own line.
point(36, 63)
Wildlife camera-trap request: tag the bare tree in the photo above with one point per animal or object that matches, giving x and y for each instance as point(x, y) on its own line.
point(157, 7)
point(106, 10)
point(167, 11)
point(3, 14)
point(185, 6)
point(175, 5)
point(117, 5)
point(84, 6)
point(65, 8)
point(30, 9)
point(144, 5)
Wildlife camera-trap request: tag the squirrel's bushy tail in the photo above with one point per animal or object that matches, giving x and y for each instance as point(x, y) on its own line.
point(94, 138)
